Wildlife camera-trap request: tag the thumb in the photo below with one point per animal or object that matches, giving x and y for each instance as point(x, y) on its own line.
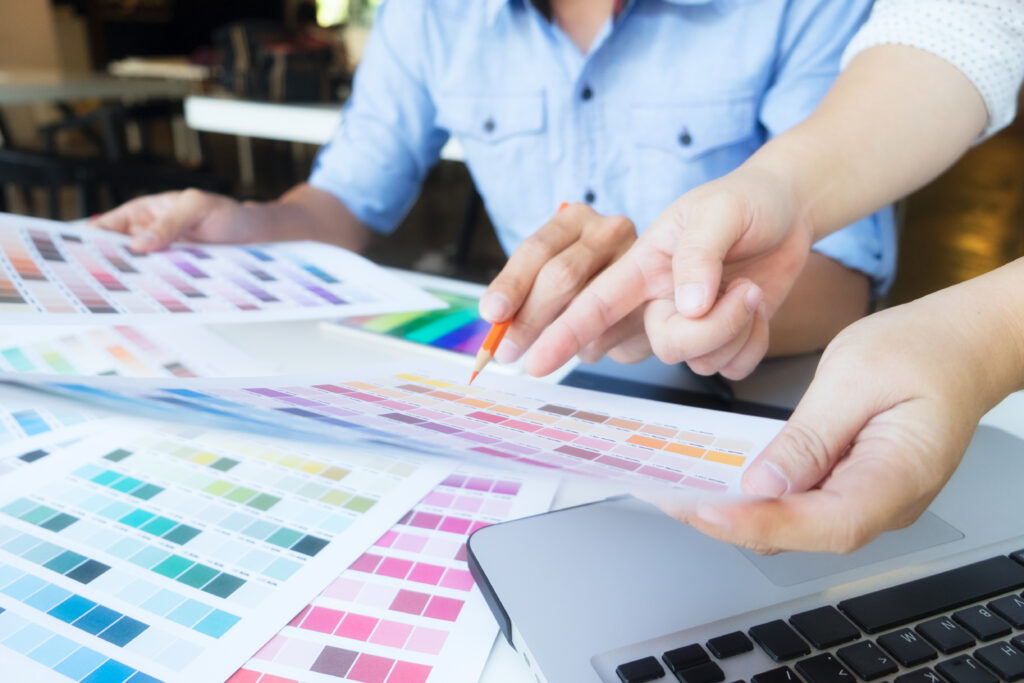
point(708, 231)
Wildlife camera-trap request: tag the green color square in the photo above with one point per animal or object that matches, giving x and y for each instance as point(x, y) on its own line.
point(198, 576)
point(38, 515)
point(264, 502)
point(159, 526)
point(360, 504)
point(106, 478)
point(127, 484)
point(335, 497)
point(65, 562)
point(240, 494)
point(224, 585)
point(136, 518)
point(147, 491)
point(181, 534)
point(284, 537)
point(172, 566)
point(184, 452)
point(218, 488)
point(118, 455)
point(223, 464)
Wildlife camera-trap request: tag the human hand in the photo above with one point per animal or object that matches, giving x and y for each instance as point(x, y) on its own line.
point(712, 269)
point(550, 268)
point(882, 427)
point(155, 221)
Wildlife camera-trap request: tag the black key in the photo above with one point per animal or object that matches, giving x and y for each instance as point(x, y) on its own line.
point(779, 640)
point(867, 660)
point(944, 634)
point(1010, 608)
point(982, 623)
point(708, 672)
point(1019, 556)
point(824, 668)
point(1018, 642)
point(781, 675)
point(730, 645)
point(919, 676)
point(963, 669)
point(640, 670)
point(824, 627)
point(907, 647)
point(896, 606)
point(1004, 659)
point(685, 657)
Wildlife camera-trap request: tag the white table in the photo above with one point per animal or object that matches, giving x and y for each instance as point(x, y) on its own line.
point(25, 86)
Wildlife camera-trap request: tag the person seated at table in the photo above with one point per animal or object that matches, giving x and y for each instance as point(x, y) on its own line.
point(618, 106)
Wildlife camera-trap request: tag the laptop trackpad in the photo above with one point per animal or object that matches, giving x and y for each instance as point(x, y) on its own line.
point(789, 569)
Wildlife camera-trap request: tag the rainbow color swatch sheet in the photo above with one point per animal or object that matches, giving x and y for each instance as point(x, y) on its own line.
point(54, 273)
point(170, 553)
point(503, 420)
point(407, 610)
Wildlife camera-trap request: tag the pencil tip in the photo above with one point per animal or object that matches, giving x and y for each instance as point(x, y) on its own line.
point(473, 377)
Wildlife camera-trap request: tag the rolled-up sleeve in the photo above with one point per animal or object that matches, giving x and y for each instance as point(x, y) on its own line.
point(981, 38)
point(811, 44)
point(388, 138)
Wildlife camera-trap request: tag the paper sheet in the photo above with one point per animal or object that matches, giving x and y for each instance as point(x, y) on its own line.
point(56, 273)
point(406, 611)
point(173, 553)
point(691, 452)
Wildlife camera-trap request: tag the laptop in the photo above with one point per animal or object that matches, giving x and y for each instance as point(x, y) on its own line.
point(616, 591)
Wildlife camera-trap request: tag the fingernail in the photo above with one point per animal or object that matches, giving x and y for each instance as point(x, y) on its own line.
point(508, 352)
point(145, 241)
point(494, 307)
point(713, 515)
point(753, 298)
point(765, 479)
point(690, 298)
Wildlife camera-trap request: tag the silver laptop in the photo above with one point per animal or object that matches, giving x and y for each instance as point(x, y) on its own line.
point(616, 591)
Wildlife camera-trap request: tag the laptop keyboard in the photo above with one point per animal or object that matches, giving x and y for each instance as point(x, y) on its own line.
point(965, 625)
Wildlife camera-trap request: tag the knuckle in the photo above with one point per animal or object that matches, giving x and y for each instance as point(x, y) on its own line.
point(559, 275)
point(806, 449)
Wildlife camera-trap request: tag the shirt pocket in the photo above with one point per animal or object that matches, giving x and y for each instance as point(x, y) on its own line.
point(679, 146)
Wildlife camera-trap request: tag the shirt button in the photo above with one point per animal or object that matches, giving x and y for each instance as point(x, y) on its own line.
point(589, 197)
point(489, 126)
point(586, 93)
point(684, 138)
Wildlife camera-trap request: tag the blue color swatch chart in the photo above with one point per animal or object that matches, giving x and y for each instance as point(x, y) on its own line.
point(159, 552)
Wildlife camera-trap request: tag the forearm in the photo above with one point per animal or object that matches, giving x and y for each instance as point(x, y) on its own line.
point(308, 213)
point(895, 118)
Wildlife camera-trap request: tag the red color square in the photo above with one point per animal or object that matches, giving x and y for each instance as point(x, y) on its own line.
point(356, 626)
point(268, 678)
point(370, 669)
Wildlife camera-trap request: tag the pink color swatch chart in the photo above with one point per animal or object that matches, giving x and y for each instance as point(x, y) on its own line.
point(54, 273)
point(407, 610)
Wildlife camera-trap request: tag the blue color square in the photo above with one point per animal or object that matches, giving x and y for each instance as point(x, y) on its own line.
point(87, 572)
point(9, 574)
point(127, 484)
point(163, 602)
point(28, 638)
point(97, 619)
point(236, 521)
point(94, 503)
point(217, 624)
point(9, 623)
point(106, 477)
point(116, 510)
point(136, 518)
point(20, 544)
point(53, 651)
point(72, 608)
point(48, 598)
point(80, 663)
point(282, 569)
point(110, 672)
point(88, 471)
point(16, 508)
point(149, 557)
point(260, 529)
point(7, 533)
point(123, 631)
point(24, 587)
point(189, 612)
point(43, 553)
point(335, 524)
point(140, 677)
point(137, 592)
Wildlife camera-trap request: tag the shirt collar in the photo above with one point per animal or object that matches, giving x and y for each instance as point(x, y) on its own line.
point(495, 6)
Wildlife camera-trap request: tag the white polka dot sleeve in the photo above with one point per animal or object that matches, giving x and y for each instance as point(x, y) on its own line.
point(982, 38)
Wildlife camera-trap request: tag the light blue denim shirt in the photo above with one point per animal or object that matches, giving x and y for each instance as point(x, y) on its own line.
point(672, 93)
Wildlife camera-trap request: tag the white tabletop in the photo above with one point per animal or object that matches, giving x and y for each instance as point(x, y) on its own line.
point(311, 123)
point(24, 86)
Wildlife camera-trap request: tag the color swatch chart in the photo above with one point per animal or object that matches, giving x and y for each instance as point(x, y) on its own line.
point(55, 273)
point(638, 443)
point(178, 552)
point(406, 611)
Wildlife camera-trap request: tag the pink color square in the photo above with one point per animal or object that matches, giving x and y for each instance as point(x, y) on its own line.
point(298, 654)
point(619, 463)
point(492, 451)
point(391, 633)
point(356, 626)
point(270, 678)
point(376, 595)
point(430, 414)
point(454, 480)
point(340, 412)
point(459, 579)
point(591, 442)
point(520, 425)
point(659, 473)
point(366, 563)
point(425, 520)
point(323, 619)
point(632, 452)
point(455, 525)
point(557, 434)
point(477, 525)
point(396, 405)
point(270, 650)
point(497, 508)
point(407, 672)
point(443, 608)
point(467, 504)
point(507, 488)
point(343, 589)
point(428, 640)
point(479, 484)
point(461, 423)
point(297, 619)
point(438, 499)
point(387, 539)
point(441, 547)
point(370, 669)
point(426, 573)
point(394, 567)
point(486, 417)
point(704, 485)
point(461, 555)
point(246, 676)
point(411, 542)
point(409, 602)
